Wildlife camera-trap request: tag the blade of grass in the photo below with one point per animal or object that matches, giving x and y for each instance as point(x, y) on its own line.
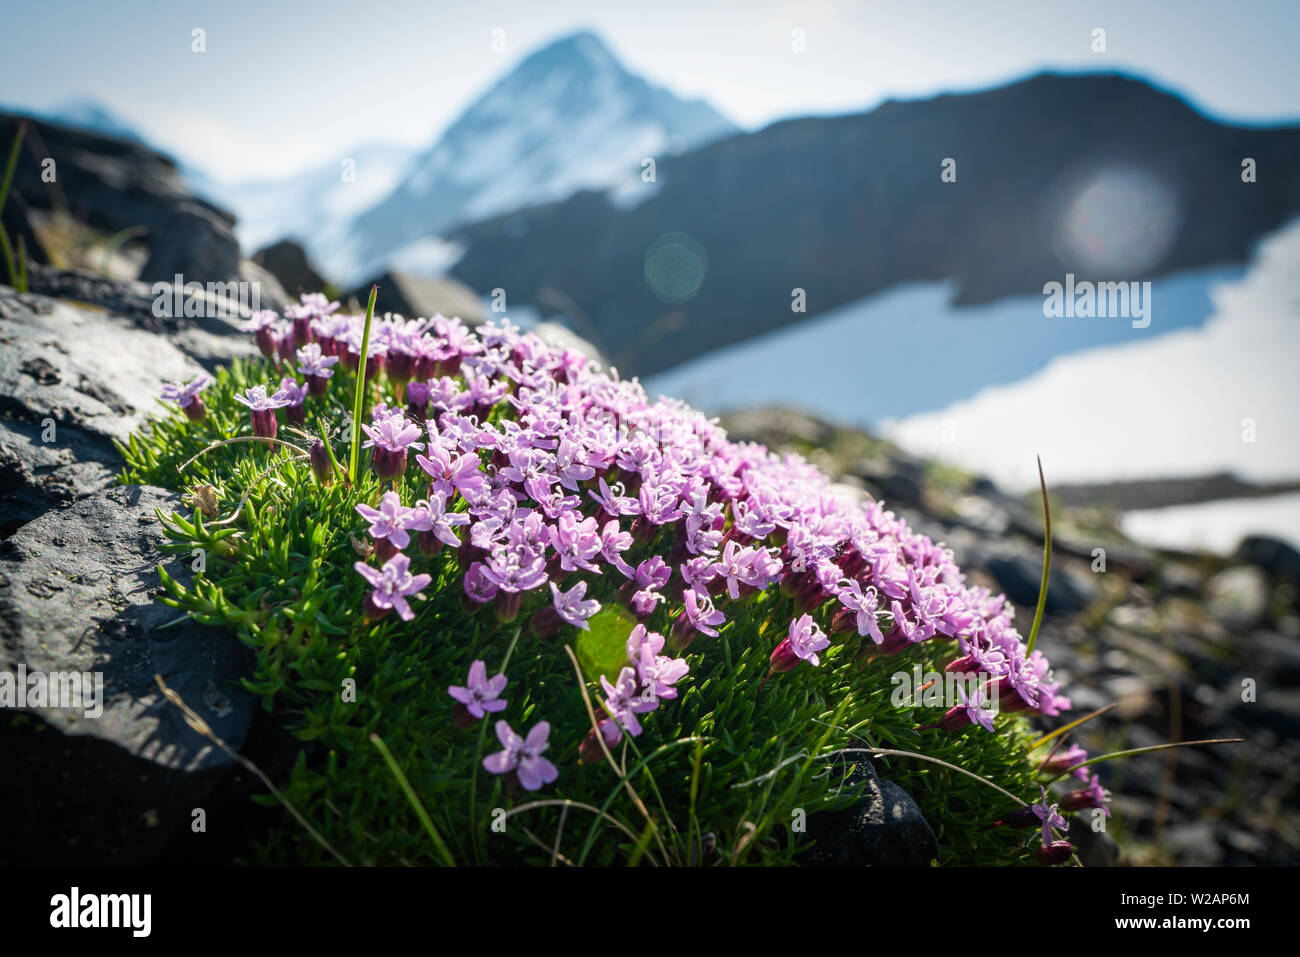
point(600, 739)
point(360, 397)
point(411, 796)
point(329, 448)
point(1047, 564)
point(1070, 727)
point(116, 240)
point(12, 164)
point(11, 266)
point(1155, 747)
point(201, 727)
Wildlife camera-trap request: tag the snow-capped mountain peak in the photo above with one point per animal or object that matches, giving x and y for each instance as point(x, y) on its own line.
point(569, 117)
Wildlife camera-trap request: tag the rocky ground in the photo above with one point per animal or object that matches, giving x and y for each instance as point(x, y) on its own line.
point(1171, 639)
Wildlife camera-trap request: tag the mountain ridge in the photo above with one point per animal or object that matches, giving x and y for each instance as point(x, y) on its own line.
point(845, 206)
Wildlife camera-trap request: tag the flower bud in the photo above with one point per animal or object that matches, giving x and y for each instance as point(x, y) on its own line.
point(265, 424)
point(590, 751)
point(783, 657)
point(1058, 852)
point(196, 410)
point(384, 550)
point(321, 465)
point(302, 333)
point(417, 400)
point(545, 622)
point(371, 611)
point(1021, 817)
point(955, 718)
point(507, 605)
point(683, 633)
point(265, 341)
point(389, 464)
point(401, 366)
point(428, 543)
point(461, 717)
point(1082, 798)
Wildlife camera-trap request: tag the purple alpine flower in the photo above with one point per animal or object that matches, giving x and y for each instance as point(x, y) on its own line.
point(1094, 795)
point(315, 365)
point(436, 525)
point(971, 710)
point(262, 325)
point(480, 695)
point(391, 586)
point(625, 699)
point(479, 589)
point(390, 525)
point(698, 614)
point(523, 756)
point(390, 437)
point(571, 607)
point(802, 643)
point(187, 396)
point(296, 394)
point(262, 407)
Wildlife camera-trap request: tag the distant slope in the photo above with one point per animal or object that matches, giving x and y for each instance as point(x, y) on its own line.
point(313, 208)
point(569, 117)
point(1100, 175)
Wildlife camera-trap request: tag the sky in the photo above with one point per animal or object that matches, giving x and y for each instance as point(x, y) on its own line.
point(284, 86)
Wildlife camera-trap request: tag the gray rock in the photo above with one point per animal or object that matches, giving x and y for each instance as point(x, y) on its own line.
point(897, 479)
point(1274, 556)
point(1274, 655)
point(194, 243)
point(113, 184)
point(65, 394)
point(776, 427)
point(415, 297)
point(212, 337)
point(1180, 578)
point(562, 337)
point(884, 829)
point(1195, 844)
point(1238, 597)
point(77, 589)
point(1019, 572)
point(1095, 848)
point(271, 294)
point(287, 261)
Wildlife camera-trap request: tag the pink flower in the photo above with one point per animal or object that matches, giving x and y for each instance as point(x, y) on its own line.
point(570, 606)
point(480, 695)
point(392, 585)
point(523, 756)
point(625, 699)
point(187, 396)
point(804, 641)
point(392, 520)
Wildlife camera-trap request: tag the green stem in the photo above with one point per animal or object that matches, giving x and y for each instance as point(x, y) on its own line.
point(411, 796)
point(359, 400)
point(1047, 564)
point(1147, 750)
point(12, 164)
